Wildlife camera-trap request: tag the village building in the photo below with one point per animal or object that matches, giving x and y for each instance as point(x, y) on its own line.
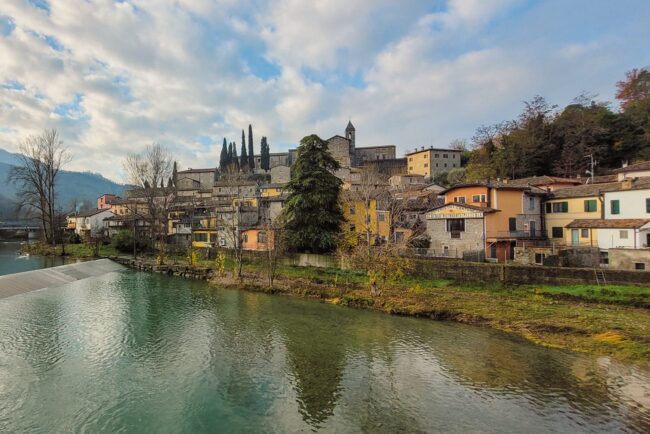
point(548, 183)
point(431, 161)
point(91, 224)
point(105, 201)
point(637, 170)
point(510, 214)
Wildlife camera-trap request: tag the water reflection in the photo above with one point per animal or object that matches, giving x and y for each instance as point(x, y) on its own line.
point(141, 353)
point(12, 262)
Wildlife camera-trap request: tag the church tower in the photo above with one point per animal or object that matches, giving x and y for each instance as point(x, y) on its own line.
point(349, 134)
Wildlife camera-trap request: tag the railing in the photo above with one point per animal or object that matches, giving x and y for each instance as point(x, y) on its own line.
point(517, 234)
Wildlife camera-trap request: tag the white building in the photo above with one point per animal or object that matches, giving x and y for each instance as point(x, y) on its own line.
point(637, 170)
point(91, 223)
point(632, 201)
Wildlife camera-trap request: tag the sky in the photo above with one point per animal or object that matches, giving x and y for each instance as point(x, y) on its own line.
point(113, 76)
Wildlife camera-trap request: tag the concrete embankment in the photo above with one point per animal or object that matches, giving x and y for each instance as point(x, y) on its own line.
point(19, 283)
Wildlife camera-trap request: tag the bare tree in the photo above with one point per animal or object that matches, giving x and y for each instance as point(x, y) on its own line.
point(152, 174)
point(275, 247)
point(366, 192)
point(41, 158)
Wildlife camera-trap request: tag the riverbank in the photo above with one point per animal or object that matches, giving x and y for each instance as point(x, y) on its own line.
point(611, 320)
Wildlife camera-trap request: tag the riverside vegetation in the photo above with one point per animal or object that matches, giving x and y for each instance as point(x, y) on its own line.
point(610, 320)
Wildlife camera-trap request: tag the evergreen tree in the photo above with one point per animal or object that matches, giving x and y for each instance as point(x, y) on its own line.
point(174, 173)
point(251, 151)
point(265, 157)
point(243, 159)
point(229, 160)
point(223, 159)
point(235, 159)
point(312, 211)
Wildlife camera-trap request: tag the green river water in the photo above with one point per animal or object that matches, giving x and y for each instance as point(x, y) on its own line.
point(141, 353)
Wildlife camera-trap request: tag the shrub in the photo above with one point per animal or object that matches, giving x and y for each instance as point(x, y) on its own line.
point(123, 241)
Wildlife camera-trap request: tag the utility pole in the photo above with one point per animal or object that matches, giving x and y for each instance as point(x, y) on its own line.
point(592, 165)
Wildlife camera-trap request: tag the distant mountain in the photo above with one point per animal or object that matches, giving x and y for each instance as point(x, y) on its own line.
point(80, 186)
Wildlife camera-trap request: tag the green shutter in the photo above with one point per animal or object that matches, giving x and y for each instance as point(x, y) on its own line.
point(512, 223)
point(565, 206)
point(590, 205)
point(615, 206)
point(548, 208)
point(647, 205)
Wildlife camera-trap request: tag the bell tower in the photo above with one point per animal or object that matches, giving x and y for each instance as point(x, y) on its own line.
point(349, 134)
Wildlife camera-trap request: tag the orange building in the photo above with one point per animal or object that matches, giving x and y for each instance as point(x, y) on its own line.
point(257, 239)
point(492, 217)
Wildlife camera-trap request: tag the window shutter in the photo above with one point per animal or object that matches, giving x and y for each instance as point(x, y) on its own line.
point(548, 208)
point(565, 206)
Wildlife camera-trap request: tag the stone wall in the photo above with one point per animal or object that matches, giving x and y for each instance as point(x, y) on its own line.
point(471, 239)
point(519, 274)
point(626, 259)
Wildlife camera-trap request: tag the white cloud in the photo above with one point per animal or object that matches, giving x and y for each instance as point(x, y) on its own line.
point(407, 73)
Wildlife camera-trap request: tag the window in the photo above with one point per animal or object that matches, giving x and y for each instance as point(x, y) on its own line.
point(445, 164)
point(426, 164)
point(410, 159)
point(455, 225)
point(352, 210)
point(437, 155)
point(454, 165)
point(639, 266)
point(560, 207)
point(477, 198)
point(615, 206)
point(213, 238)
point(590, 205)
point(622, 235)
point(531, 203)
point(459, 199)
point(244, 238)
point(512, 224)
point(539, 258)
point(444, 155)
point(424, 156)
point(203, 238)
point(584, 233)
point(261, 237)
point(381, 217)
point(647, 205)
point(557, 232)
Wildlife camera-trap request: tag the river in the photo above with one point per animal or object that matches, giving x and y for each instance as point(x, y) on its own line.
point(142, 353)
point(12, 262)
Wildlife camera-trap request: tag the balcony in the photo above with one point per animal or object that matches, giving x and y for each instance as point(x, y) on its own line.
point(516, 235)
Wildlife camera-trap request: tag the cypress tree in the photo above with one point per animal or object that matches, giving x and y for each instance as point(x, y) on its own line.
point(235, 160)
point(223, 159)
point(243, 159)
point(313, 212)
point(251, 151)
point(265, 158)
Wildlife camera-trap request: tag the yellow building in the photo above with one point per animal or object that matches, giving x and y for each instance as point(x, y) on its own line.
point(271, 190)
point(569, 204)
point(204, 237)
point(125, 207)
point(363, 219)
point(432, 161)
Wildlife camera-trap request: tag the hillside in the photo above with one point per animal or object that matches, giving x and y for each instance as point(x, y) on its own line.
point(80, 186)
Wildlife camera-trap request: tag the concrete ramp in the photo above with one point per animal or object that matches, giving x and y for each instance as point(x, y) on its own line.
point(12, 284)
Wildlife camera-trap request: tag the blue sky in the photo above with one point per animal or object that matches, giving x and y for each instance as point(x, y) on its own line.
point(114, 76)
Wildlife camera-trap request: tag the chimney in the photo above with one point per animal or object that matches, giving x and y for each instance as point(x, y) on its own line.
point(626, 184)
point(423, 148)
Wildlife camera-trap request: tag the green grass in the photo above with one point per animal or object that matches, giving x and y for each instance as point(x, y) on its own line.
point(629, 294)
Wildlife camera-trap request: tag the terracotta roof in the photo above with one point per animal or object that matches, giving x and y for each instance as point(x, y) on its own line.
point(543, 180)
point(498, 185)
point(610, 223)
point(585, 190)
point(431, 148)
point(602, 179)
point(92, 212)
point(643, 165)
point(464, 205)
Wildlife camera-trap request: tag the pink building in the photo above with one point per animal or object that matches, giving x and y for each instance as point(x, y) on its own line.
point(105, 200)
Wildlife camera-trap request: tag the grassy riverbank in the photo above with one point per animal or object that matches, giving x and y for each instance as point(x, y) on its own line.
point(612, 320)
